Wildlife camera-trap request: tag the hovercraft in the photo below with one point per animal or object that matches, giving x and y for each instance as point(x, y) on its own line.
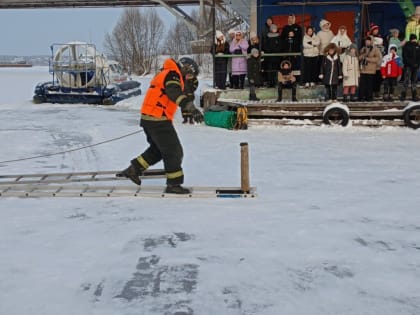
point(80, 75)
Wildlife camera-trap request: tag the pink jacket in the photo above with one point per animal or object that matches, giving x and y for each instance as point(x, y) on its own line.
point(239, 64)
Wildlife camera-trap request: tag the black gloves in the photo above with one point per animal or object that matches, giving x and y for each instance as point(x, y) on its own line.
point(197, 116)
point(190, 110)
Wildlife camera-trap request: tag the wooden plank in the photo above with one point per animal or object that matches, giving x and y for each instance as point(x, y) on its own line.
point(319, 122)
point(392, 114)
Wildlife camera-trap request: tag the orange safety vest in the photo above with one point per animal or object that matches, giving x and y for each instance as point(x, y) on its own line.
point(156, 103)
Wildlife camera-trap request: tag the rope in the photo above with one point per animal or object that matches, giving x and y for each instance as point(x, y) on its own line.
point(72, 150)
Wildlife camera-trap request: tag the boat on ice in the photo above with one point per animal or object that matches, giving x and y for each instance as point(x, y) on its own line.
point(81, 75)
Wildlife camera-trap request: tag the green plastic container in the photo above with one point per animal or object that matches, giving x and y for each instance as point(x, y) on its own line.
point(223, 119)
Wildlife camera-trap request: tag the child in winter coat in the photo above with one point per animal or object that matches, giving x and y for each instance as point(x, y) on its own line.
point(391, 70)
point(351, 73)
point(254, 75)
point(286, 80)
point(330, 72)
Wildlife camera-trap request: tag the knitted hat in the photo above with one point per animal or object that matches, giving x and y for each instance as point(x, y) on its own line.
point(373, 27)
point(254, 51)
point(394, 30)
point(219, 34)
point(252, 34)
point(231, 31)
point(273, 27)
point(324, 22)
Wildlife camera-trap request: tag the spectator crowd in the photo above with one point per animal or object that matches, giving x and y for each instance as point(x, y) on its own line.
point(290, 55)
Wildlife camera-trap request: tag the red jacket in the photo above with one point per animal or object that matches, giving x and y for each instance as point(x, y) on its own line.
point(391, 66)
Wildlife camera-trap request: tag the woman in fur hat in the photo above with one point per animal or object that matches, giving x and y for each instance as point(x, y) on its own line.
point(325, 34)
point(220, 47)
point(331, 72)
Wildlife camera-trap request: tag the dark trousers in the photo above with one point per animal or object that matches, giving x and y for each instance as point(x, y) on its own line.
point(389, 84)
point(331, 92)
point(366, 87)
point(220, 75)
point(377, 81)
point(410, 76)
point(288, 85)
point(310, 69)
point(273, 66)
point(164, 145)
point(238, 81)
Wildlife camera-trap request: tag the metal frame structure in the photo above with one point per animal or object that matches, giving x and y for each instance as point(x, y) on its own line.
point(203, 27)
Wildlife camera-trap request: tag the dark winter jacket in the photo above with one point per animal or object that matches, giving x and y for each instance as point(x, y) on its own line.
point(218, 49)
point(252, 46)
point(273, 43)
point(254, 70)
point(411, 54)
point(292, 44)
point(331, 71)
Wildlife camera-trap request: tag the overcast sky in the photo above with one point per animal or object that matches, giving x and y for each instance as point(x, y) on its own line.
point(31, 32)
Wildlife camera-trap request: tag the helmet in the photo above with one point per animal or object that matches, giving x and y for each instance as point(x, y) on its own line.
point(188, 65)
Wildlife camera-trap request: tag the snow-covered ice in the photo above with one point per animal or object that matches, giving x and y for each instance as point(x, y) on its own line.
point(334, 229)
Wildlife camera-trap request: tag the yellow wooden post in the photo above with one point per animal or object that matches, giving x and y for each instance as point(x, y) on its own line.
point(244, 167)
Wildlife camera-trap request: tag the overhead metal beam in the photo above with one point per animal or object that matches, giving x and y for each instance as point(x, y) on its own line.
point(36, 4)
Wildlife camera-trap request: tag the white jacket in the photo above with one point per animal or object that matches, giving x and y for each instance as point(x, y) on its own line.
point(312, 49)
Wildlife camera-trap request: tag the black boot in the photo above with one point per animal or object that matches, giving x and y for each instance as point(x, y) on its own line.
point(253, 97)
point(294, 99)
point(403, 95)
point(133, 172)
point(177, 189)
point(345, 98)
point(280, 94)
point(414, 94)
point(353, 98)
point(185, 119)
